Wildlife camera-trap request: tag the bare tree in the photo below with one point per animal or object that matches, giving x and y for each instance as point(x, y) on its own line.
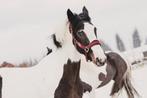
point(136, 39)
point(146, 41)
point(120, 44)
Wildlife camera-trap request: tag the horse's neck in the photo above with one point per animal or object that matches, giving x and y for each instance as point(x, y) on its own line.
point(63, 35)
point(60, 55)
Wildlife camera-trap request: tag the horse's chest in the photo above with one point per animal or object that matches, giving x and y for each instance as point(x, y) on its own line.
point(90, 74)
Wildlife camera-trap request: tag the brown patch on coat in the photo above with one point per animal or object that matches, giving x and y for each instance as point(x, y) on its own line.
point(70, 85)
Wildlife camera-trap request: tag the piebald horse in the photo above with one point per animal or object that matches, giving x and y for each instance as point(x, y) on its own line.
point(77, 41)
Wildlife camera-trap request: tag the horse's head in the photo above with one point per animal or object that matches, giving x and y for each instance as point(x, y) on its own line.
point(84, 35)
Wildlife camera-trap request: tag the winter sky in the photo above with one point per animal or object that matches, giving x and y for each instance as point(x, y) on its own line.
point(40, 16)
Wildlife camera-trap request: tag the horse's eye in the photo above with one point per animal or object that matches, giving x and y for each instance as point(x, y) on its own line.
point(81, 33)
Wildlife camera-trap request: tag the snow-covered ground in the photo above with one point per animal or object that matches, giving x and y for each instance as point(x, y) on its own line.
point(36, 82)
point(21, 82)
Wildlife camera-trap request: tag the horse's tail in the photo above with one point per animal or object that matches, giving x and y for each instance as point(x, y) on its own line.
point(130, 90)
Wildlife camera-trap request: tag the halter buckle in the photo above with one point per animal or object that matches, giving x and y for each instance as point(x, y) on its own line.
point(86, 49)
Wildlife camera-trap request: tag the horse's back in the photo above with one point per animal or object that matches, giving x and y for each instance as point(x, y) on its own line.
point(116, 68)
point(118, 61)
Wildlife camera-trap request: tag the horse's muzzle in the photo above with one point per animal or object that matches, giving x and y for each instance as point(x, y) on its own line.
point(99, 62)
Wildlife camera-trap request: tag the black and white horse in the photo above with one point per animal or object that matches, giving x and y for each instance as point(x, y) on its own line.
point(76, 41)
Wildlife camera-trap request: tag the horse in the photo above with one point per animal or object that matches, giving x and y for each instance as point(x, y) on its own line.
point(70, 85)
point(118, 70)
point(78, 40)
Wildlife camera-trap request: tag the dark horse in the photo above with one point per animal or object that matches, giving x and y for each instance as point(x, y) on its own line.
point(70, 85)
point(118, 70)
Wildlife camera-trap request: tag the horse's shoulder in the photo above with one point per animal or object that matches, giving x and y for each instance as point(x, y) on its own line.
point(113, 55)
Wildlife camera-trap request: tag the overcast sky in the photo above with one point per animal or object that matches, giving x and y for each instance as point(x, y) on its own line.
point(110, 16)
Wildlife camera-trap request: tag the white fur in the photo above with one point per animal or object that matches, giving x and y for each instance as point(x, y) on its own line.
point(39, 81)
point(89, 73)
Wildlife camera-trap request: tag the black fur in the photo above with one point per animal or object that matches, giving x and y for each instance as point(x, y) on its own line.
point(70, 85)
point(85, 15)
point(57, 43)
point(48, 50)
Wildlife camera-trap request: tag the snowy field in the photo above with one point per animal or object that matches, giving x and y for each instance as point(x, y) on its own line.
point(20, 83)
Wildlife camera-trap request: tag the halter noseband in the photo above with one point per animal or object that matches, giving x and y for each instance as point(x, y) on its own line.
point(87, 47)
point(84, 47)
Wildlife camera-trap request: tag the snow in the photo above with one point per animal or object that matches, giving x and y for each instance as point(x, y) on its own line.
point(21, 82)
point(135, 54)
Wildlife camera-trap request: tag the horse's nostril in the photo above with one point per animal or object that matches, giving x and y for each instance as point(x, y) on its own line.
point(97, 60)
point(103, 63)
point(100, 61)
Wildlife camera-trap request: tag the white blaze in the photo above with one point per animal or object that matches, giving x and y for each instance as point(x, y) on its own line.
point(97, 49)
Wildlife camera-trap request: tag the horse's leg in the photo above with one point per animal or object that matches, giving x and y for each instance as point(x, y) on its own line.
point(117, 86)
point(86, 87)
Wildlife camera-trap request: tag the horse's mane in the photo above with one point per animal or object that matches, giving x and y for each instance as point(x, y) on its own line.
point(62, 32)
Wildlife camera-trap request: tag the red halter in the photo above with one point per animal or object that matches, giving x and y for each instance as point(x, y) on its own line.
point(87, 47)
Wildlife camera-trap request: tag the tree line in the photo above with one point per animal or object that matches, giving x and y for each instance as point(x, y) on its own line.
point(120, 44)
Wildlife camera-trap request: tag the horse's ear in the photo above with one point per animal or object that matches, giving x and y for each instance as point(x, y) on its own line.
point(85, 11)
point(70, 15)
